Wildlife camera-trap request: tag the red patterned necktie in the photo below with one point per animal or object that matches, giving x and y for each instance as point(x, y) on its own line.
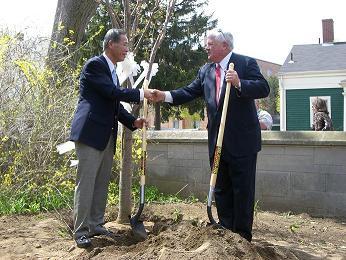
point(217, 82)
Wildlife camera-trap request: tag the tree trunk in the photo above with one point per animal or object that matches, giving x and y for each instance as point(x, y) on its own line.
point(157, 116)
point(125, 181)
point(71, 19)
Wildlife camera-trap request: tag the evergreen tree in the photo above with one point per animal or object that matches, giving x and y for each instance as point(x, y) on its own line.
point(272, 102)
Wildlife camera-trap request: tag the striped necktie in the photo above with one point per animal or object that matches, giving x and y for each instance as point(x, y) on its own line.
point(115, 78)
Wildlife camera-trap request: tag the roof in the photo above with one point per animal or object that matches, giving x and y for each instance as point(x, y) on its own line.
point(269, 62)
point(316, 57)
point(268, 68)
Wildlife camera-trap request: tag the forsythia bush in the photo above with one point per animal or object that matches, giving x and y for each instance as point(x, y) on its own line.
point(36, 109)
point(37, 105)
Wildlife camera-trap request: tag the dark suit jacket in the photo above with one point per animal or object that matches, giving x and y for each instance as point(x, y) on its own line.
point(242, 135)
point(99, 109)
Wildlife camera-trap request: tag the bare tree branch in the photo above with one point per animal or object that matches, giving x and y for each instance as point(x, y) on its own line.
point(137, 7)
point(136, 16)
point(114, 19)
point(169, 11)
point(127, 18)
point(150, 19)
point(135, 49)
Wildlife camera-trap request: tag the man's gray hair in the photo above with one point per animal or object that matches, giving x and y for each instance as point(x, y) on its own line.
point(112, 35)
point(221, 36)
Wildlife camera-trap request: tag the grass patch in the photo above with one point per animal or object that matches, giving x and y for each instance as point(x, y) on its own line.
point(23, 202)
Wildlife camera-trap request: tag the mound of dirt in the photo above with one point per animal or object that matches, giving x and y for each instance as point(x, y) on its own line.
point(183, 240)
point(176, 231)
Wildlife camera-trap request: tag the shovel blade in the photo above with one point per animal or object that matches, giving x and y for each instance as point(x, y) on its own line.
point(138, 229)
point(216, 226)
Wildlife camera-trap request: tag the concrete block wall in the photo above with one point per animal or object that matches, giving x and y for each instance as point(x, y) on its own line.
point(179, 165)
point(296, 171)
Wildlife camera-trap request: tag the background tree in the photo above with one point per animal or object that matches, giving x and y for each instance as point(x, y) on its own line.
point(71, 19)
point(272, 102)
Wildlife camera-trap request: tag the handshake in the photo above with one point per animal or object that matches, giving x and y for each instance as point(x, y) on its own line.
point(154, 95)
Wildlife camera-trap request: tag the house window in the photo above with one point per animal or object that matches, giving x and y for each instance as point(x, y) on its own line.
point(176, 124)
point(327, 99)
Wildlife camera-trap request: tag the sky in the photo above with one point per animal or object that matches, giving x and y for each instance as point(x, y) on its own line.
point(32, 16)
point(265, 29)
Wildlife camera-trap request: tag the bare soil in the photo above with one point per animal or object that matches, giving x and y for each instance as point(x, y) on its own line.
point(176, 231)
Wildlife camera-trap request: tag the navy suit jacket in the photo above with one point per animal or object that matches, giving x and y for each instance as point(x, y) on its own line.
point(242, 135)
point(99, 109)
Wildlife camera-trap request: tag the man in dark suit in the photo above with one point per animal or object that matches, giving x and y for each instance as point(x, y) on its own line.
point(235, 185)
point(94, 131)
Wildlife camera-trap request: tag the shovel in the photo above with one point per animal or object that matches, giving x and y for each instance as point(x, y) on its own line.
point(217, 153)
point(137, 225)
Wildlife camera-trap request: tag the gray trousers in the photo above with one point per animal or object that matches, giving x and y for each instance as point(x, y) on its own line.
point(90, 197)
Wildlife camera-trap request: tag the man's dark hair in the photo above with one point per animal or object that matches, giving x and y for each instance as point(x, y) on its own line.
point(112, 35)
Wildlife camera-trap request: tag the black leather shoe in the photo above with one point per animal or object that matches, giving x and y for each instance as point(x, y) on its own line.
point(102, 232)
point(83, 241)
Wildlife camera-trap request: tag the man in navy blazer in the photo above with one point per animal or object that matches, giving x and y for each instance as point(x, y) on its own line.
point(94, 131)
point(235, 185)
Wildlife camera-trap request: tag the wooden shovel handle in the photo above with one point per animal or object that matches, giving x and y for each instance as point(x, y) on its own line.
point(218, 148)
point(145, 115)
point(144, 137)
point(224, 110)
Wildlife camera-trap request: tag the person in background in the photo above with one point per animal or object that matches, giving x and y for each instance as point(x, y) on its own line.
point(264, 118)
point(235, 184)
point(321, 118)
point(94, 131)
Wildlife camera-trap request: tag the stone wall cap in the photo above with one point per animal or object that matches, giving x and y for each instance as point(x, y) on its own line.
point(323, 138)
point(180, 136)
